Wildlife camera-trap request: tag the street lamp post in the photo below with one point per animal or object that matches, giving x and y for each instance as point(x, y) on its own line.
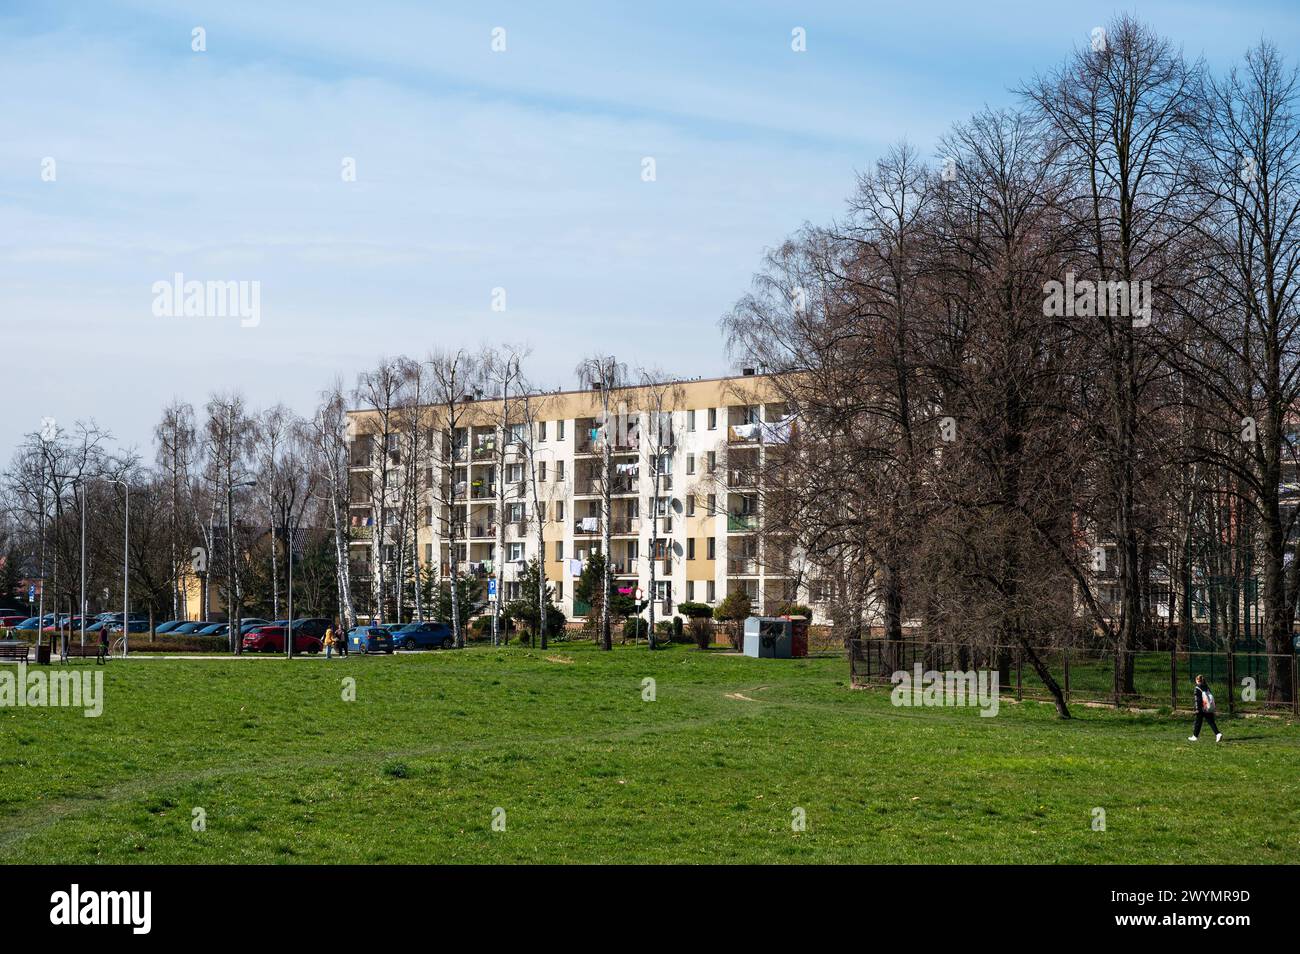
point(234, 622)
point(126, 557)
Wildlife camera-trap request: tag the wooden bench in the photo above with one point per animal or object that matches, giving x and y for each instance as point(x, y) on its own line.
point(93, 650)
point(13, 650)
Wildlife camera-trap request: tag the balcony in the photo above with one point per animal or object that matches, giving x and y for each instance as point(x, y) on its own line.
point(625, 526)
point(483, 531)
point(742, 522)
point(742, 566)
point(593, 486)
point(586, 525)
point(482, 490)
point(742, 477)
point(743, 433)
point(485, 450)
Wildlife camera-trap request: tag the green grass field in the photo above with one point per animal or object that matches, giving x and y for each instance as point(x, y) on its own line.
point(285, 770)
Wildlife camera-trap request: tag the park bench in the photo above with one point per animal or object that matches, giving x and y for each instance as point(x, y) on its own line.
point(13, 650)
point(93, 650)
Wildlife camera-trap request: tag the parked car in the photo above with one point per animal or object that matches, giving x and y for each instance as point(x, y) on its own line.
point(132, 626)
point(9, 621)
point(189, 629)
point(34, 622)
point(370, 639)
point(308, 637)
point(168, 626)
point(424, 636)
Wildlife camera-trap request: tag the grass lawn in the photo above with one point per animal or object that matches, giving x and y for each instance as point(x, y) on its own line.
point(287, 771)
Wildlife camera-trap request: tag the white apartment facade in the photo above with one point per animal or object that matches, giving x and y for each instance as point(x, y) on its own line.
point(702, 443)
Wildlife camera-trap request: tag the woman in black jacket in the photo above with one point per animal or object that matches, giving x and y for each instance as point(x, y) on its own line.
point(1204, 710)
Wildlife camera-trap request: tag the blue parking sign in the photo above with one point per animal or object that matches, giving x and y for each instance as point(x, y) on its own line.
point(492, 588)
point(31, 593)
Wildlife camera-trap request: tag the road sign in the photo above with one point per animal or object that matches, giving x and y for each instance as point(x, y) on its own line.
point(492, 589)
point(31, 593)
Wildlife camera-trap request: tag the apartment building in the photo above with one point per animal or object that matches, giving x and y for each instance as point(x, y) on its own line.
point(686, 464)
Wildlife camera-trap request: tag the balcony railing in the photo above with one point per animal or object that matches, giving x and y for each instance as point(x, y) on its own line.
point(482, 531)
point(483, 491)
point(586, 525)
point(742, 477)
point(741, 522)
point(742, 566)
point(593, 486)
point(743, 433)
point(623, 526)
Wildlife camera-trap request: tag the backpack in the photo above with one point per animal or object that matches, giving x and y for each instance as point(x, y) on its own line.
point(1207, 700)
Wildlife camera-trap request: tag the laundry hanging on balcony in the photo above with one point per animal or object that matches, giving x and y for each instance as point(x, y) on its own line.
point(575, 568)
point(778, 432)
point(744, 432)
point(629, 469)
point(590, 524)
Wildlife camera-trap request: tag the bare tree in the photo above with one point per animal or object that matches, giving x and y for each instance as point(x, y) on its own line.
point(607, 376)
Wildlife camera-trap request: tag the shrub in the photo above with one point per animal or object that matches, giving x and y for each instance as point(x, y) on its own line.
point(695, 610)
point(677, 628)
point(701, 629)
point(634, 627)
point(794, 609)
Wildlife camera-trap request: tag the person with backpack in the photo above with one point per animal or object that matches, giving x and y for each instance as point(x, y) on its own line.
point(1204, 709)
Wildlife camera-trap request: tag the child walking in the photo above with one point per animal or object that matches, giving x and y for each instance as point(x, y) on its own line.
point(1204, 710)
point(329, 643)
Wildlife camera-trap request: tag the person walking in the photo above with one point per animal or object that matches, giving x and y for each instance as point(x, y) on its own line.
point(342, 639)
point(1204, 709)
point(329, 641)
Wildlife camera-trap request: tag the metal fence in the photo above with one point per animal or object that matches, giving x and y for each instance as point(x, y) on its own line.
point(1161, 678)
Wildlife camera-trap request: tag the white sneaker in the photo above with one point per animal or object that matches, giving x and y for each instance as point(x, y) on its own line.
point(1218, 737)
point(1191, 738)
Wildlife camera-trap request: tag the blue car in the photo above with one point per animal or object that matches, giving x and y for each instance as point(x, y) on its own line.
point(168, 626)
point(424, 636)
point(369, 639)
point(35, 622)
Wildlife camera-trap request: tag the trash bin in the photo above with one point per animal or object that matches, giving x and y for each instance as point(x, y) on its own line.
point(767, 637)
point(43, 654)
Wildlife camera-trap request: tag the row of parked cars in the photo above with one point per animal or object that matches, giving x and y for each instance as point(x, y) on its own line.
point(59, 622)
point(256, 635)
point(385, 638)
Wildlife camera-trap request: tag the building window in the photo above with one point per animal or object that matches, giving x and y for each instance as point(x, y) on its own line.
point(713, 418)
point(559, 511)
point(541, 430)
point(428, 553)
point(541, 470)
point(690, 505)
point(559, 470)
point(709, 548)
point(690, 420)
point(711, 589)
point(515, 551)
point(559, 430)
point(713, 461)
point(690, 548)
point(559, 549)
point(713, 504)
point(690, 463)
point(515, 512)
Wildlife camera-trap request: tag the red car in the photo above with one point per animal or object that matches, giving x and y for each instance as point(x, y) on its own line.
point(6, 622)
point(308, 637)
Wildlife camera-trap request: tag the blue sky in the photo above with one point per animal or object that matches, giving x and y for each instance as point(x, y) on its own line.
point(475, 170)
